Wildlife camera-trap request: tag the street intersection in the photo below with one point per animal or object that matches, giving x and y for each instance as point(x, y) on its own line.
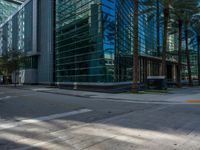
point(54, 119)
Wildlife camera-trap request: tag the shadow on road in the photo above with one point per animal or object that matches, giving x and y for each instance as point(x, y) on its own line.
point(135, 126)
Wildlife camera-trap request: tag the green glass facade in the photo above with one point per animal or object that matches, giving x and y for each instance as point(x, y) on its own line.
point(82, 54)
point(91, 41)
point(6, 10)
point(94, 40)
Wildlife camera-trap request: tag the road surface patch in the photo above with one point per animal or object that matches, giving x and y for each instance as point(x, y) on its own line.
point(193, 101)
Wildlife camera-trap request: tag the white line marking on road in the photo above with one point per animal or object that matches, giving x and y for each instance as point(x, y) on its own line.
point(9, 97)
point(6, 97)
point(42, 143)
point(43, 118)
point(27, 95)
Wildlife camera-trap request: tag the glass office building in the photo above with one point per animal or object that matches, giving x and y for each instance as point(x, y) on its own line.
point(193, 59)
point(85, 47)
point(7, 9)
point(94, 41)
point(87, 42)
point(17, 31)
point(20, 33)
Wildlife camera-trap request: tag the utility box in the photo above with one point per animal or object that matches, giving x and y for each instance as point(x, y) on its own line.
point(156, 82)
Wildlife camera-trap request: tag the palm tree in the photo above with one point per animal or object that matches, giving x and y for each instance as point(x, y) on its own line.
point(158, 26)
point(183, 10)
point(166, 13)
point(135, 53)
point(196, 28)
point(187, 15)
point(180, 26)
point(179, 8)
point(198, 56)
point(176, 25)
point(166, 8)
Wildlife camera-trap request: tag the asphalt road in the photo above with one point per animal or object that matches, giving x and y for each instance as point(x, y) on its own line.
point(37, 120)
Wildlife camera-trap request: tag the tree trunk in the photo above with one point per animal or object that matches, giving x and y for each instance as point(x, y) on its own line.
point(158, 27)
point(15, 79)
point(166, 20)
point(188, 58)
point(179, 54)
point(198, 57)
point(135, 50)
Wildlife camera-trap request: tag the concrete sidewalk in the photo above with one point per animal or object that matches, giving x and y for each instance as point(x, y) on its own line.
point(175, 96)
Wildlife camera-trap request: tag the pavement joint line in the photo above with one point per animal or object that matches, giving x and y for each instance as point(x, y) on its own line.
point(63, 138)
point(129, 113)
point(60, 138)
point(43, 118)
point(40, 143)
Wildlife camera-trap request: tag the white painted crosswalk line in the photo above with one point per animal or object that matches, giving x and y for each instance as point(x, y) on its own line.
point(43, 118)
point(10, 97)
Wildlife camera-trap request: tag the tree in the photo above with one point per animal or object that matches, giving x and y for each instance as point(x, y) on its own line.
point(180, 9)
point(158, 27)
point(187, 24)
point(183, 10)
point(177, 22)
point(166, 12)
point(135, 53)
point(11, 61)
point(166, 8)
point(3, 63)
point(196, 28)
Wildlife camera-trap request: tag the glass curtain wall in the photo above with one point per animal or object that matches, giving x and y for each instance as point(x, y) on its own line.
point(1, 41)
point(81, 55)
point(16, 33)
point(94, 40)
point(124, 40)
point(193, 58)
point(21, 29)
point(6, 10)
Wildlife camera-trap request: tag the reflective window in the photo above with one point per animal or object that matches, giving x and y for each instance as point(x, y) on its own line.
point(21, 29)
point(94, 40)
point(7, 9)
point(79, 41)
